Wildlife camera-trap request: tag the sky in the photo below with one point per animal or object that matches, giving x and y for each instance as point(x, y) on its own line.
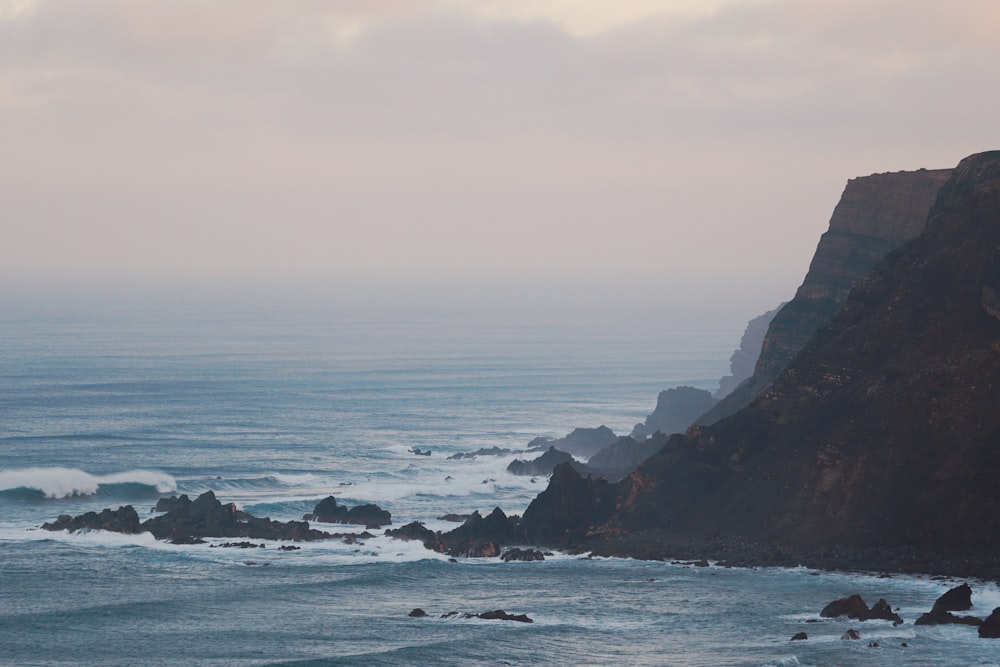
point(671, 149)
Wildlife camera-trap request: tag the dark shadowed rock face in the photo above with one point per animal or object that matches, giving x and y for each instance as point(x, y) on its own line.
point(416, 531)
point(956, 599)
point(581, 442)
point(851, 607)
point(881, 434)
point(624, 455)
point(481, 537)
point(569, 504)
point(369, 516)
point(676, 409)
point(990, 629)
point(122, 520)
point(875, 214)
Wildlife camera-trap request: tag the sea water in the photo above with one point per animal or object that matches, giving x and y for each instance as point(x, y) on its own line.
point(105, 403)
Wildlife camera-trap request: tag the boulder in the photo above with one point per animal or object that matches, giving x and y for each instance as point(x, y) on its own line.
point(990, 629)
point(956, 599)
point(851, 634)
point(500, 614)
point(799, 636)
point(416, 531)
point(946, 618)
point(417, 613)
point(851, 607)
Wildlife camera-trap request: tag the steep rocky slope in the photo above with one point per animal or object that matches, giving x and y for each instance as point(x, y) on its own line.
point(881, 438)
point(875, 214)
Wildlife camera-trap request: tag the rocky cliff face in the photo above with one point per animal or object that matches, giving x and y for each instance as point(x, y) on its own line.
point(883, 433)
point(676, 409)
point(744, 359)
point(875, 215)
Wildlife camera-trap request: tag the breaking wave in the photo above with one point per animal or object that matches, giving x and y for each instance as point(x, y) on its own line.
point(31, 483)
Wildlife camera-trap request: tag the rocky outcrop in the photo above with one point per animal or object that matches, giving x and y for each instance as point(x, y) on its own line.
point(878, 441)
point(676, 409)
point(624, 455)
point(955, 599)
point(744, 359)
point(481, 537)
point(418, 532)
point(544, 464)
point(853, 606)
point(122, 520)
point(483, 451)
point(875, 215)
point(583, 442)
point(990, 629)
point(368, 515)
point(188, 521)
point(522, 555)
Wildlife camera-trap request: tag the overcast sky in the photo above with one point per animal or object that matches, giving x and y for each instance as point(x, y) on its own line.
point(692, 145)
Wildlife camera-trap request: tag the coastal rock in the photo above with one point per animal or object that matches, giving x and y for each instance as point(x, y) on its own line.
point(369, 516)
point(956, 599)
point(454, 518)
point(122, 520)
point(417, 613)
point(481, 537)
point(522, 554)
point(851, 607)
point(990, 629)
point(875, 215)
point(676, 409)
point(485, 451)
point(624, 455)
point(941, 617)
point(569, 504)
point(744, 359)
point(875, 445)
point(416, 531)
point(582, 442)
point(544, 464)
point(501, 615)
point(799, 636)
point(851, 634)
point(881, 611)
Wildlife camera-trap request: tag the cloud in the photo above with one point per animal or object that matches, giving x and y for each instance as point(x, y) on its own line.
point(224, 138)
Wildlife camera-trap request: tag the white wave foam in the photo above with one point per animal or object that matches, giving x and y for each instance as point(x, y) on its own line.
point(68, 482)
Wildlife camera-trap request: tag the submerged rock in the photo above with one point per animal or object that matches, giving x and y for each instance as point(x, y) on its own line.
point(501, 615)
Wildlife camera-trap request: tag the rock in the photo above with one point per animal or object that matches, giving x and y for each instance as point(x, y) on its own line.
point(990, 629)
point(624, 455)
point(676, 409)
point(454, 518)
point(122, 520)
point(481, 537)
point(873, 644)
point(491, 451)
point(521, 554)
point(417, 613)
point(956, 599)
point(799, 636)
point(237, 545)
point(542, 465)
point(851, 634)
point(744, 359)
point(875, 214)
point(421, 452)
point(500, 614)
point(851, 607)
point(288, 547)
point(416, 531)
point(570, 503)
point(940, 617)
point(881, 611)
point(582, 442)
point(369, 516)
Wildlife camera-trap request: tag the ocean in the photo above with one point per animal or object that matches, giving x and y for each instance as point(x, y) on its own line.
point(106, 402)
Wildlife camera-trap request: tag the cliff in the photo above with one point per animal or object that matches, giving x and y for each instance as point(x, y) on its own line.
point(676, 409)
point(744, 359)
point(878, 446)
point(875, 214)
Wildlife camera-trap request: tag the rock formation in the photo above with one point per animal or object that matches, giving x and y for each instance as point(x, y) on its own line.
point(624, 455)
point(583, 442)
point(744, 359)
point(877, 446)
point(369, 516)
point(875, 214)
point(676, 409)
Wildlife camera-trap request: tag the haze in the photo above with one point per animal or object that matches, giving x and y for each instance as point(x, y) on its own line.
point(681, 150)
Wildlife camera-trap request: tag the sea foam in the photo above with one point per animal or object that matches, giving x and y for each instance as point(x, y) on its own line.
point(69, 482)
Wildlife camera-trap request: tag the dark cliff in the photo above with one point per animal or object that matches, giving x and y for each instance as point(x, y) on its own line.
point(875, 214)
point(883, 433)
point(744, 359)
